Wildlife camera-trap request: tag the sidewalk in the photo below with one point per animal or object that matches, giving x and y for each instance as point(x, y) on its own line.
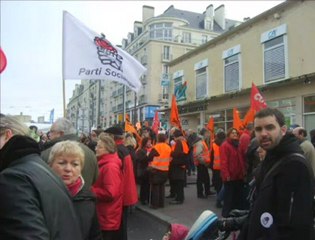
point(185, 213)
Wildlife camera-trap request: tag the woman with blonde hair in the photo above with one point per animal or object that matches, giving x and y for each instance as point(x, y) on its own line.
point(66, 158)
point(35, 203)
point(109, 188)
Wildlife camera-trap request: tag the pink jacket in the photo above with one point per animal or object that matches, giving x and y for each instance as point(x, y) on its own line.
point(108, 189)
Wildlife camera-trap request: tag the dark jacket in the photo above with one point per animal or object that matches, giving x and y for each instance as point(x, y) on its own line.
point(283, 205)
point(142, 163)
point(90, 169)
point(34, 203)
point(84, 205)
point(177, 169)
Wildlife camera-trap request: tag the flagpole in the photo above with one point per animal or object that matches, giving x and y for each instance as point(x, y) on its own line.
point(124, 109)
point(63, 59)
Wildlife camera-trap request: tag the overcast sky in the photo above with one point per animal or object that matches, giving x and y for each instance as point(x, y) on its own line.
point(31, 37)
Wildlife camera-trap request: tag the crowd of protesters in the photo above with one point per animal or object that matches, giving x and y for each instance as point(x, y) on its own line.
point(91, 178)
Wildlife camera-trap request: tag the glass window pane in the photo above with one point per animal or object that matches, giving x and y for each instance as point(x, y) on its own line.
point(309, 104)
point(274, 42)
point(231, 76)
point(201, 85)
point(274, 65)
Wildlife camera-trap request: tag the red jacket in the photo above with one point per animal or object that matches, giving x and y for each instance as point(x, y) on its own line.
point(232, 165)
point(108, 189)
point(244, 142)
point(130, 195)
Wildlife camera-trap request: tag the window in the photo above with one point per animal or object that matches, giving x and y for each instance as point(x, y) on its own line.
point(309, 104)
point(232, 73)
point(186, 37)
point(274, 59)
point(201, 83)
point(161, 31)
point(166, 53)
point(287, 107)
point(165, 68)
point(309, 114)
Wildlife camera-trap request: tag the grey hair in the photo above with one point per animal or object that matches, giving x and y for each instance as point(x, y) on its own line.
point(14, 124)
point(65, 126)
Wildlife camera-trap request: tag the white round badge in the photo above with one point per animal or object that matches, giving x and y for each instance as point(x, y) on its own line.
point(266, 220)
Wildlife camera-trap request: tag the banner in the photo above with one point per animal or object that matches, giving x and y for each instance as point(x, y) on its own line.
point(87, 55)
point(3, 61)
point(174, 116)
point(257, 101)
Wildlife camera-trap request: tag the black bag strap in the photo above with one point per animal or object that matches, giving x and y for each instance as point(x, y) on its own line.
point(282, 160)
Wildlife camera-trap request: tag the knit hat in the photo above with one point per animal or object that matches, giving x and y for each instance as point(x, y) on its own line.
point(115, 131)
point(177, 133)
point(178, 231)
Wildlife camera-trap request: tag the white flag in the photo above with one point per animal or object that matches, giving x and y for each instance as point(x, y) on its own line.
point(87, 55)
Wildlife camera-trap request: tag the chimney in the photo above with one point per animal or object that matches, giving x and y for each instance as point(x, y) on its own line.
point(208, 22)
point(147, 13)
point(219, 16)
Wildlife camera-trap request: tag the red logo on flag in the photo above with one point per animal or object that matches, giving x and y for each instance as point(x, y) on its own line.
point(256, 99)
point(107, 54)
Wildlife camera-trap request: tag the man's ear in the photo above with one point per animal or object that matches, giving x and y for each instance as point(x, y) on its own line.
point(284, 129)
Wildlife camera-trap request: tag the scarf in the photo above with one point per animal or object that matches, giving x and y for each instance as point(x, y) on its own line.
point(74, 188)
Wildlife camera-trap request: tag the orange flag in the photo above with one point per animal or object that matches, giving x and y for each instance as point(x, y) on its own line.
point(174, 118)
point(130, 128)
point(249, 117)
point(237, 122)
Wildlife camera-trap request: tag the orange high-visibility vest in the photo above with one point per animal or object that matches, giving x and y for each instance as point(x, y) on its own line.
point(162, 162)
point(185, 146)
point(216, 157)
point(205, 154)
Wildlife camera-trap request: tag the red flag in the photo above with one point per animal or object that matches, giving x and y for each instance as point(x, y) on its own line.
point(237, 122)
point(257, 101)
point(3, 61)
point(249, 117)
point(156, 122)
point(174, 118)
